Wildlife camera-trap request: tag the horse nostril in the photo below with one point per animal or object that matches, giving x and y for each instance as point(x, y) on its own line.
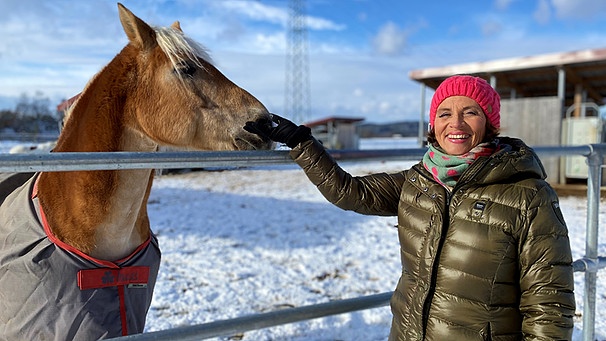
point(264, 121)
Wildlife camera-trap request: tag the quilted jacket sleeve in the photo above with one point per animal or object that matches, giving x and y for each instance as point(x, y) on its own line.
point(376, 194)
point(546, 275)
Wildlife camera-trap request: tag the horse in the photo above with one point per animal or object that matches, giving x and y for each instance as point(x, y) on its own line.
point(78, 259)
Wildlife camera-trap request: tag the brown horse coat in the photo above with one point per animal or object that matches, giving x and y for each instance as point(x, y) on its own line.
point(93, 298)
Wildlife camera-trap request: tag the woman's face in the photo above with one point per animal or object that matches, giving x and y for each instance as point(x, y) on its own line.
point(460, 125)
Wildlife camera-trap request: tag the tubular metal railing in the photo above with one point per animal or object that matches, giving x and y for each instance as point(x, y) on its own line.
point(589, 264)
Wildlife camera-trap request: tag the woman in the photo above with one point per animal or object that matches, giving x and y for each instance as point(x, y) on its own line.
point(484, 247)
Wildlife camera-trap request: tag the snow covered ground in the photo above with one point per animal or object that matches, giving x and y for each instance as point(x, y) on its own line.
point(254, 240)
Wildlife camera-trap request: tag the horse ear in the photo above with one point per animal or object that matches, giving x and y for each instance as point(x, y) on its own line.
point(138, 32)
point(177, 26)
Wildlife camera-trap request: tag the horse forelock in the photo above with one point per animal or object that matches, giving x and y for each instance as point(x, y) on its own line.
point(179, 48)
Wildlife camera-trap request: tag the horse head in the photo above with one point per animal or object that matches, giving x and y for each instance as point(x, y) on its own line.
point(172, 93)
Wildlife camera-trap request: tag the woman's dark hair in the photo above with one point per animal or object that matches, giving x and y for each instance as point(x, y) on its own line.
point(491, 134)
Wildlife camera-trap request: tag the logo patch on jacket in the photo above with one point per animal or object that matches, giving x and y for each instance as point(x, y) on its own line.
point(478, 209)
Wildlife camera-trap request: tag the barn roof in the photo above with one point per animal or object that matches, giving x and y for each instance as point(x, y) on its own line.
point(63, 106)
point(333, 119)
point(532, 76)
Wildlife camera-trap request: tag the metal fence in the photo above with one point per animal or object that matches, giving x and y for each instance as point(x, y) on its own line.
point(589, 264)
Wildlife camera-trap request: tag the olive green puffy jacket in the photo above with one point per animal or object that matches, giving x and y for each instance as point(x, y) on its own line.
point(490, 260)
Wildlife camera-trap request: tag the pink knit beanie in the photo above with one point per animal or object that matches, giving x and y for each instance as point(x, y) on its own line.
point(475, 88)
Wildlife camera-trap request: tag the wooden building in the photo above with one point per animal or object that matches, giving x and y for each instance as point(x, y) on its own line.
point(336, 132)
point(546, 100)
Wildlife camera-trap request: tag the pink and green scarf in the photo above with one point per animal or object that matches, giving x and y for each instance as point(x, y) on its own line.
point(446, 169)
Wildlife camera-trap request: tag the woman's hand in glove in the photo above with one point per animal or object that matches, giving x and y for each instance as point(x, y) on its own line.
point(284, 131)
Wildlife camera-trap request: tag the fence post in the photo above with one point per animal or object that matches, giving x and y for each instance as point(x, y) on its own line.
point(594, 180)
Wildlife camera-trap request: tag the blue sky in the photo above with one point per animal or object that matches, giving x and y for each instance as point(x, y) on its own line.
point(361, 51)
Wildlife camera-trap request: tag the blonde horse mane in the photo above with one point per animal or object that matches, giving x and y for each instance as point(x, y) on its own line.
point(180, 48)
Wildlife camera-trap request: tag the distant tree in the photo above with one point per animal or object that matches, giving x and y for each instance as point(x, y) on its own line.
point(34, 114)
point(37, 106)
point(7, 119)
point(23, 107)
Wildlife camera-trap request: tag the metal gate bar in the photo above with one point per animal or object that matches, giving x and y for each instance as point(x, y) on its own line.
point(260, 321)
point(52, 162)
point(590, 263)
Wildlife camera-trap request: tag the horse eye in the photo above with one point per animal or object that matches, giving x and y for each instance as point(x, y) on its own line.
point(186, 69)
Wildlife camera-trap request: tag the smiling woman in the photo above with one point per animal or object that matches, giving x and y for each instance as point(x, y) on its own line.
point(476, 213)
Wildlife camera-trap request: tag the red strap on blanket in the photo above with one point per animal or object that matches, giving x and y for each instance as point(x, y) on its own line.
point(106, 277)
point(123, 318)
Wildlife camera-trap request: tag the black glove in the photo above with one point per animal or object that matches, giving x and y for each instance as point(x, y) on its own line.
point(285, 131)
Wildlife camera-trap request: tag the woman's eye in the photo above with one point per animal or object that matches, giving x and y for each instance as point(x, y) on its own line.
point(186, 69)
point(444, 114)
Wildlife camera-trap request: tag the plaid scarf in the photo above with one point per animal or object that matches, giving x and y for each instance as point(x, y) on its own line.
point(446, 169)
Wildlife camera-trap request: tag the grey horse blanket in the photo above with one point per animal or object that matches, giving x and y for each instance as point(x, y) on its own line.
point(50, 291)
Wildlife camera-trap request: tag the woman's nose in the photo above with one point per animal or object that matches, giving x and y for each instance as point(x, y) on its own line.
point(457, 121)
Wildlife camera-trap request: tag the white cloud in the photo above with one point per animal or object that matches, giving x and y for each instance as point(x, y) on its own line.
point(316, 23)
point(264, 43)
point(385, 106)
point(232, 31)
point(502, 4)
point(542, 14)
point(41, 32)
point(579, 9)
point(257, 11)
point(276, 15)
point(491, 28)
point(362, 16)
point(505, 27)
point(390, 41)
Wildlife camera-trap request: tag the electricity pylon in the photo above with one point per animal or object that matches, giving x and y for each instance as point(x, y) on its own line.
point(297, 102)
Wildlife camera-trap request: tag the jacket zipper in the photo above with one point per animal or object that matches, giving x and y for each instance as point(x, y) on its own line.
point(434, 267)
point(445, 225)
